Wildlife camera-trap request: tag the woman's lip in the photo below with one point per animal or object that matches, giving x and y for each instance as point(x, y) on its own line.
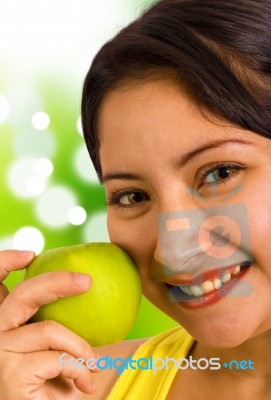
point(190, 279)
point(213, 297)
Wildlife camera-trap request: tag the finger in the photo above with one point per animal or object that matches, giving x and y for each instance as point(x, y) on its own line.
point(3, 292)
point(46, 335)
point(13, 260)
point(43, 365)
point(29, 295)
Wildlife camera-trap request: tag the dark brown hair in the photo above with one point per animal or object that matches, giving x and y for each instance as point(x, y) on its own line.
point(218, 51)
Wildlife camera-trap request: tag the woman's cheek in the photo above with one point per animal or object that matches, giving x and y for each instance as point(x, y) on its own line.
point(138, 237)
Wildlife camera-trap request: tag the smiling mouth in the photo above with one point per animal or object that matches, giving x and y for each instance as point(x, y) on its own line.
point(208, 286)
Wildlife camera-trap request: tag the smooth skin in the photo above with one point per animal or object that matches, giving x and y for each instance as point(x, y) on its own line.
point(145, 129)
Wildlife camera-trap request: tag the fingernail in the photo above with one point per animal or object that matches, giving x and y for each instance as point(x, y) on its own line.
point(27, 254)
point(81, 279)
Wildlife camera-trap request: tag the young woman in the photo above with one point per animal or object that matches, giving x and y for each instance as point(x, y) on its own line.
point(176, 112)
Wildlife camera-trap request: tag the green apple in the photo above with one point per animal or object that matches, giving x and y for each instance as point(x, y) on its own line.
point(105, 313)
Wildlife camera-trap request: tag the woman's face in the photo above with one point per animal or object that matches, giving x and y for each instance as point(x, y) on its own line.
point(147, 132)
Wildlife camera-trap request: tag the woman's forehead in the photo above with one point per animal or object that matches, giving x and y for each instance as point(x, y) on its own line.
point(156, 122)
point(155, 112)
point(145, 106)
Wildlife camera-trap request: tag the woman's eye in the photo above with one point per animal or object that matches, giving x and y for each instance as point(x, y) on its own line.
point(219, 173)
point(128, 199)
point(132, 198)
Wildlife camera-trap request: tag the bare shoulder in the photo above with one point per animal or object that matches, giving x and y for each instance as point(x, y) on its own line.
point(106, 379)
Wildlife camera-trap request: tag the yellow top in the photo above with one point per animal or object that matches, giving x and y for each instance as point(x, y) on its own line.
point(142, 384)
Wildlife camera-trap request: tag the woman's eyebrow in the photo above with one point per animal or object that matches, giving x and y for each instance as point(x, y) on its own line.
point(187, 157)
point(121, 175)
point(179, 163)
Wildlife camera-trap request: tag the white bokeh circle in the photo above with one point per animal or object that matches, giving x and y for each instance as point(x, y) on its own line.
point(22, 180)
point(43, 167)
point(35, 185)
point(40, 120)
point(53, 206)
point(77, 215)
point(28, 238)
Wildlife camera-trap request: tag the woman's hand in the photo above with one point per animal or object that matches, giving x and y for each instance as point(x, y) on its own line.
point(29, 353)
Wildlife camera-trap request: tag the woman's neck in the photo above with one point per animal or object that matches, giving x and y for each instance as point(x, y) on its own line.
point(247, 367)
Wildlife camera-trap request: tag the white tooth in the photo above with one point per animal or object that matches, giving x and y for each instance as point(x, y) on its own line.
point(188, 291)
point(196, 290)
point(237, 270)
point(183, 289)
point(217, 283)
point(225, 278)
point(207, 286)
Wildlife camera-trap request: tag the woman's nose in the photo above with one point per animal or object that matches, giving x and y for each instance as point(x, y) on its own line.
point(190, 237)
point(177, 241)
point(178, 256)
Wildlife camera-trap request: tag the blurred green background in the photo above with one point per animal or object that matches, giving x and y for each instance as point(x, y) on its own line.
point(50, 195)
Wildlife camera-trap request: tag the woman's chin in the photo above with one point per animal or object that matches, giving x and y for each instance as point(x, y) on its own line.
point(221, 336)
